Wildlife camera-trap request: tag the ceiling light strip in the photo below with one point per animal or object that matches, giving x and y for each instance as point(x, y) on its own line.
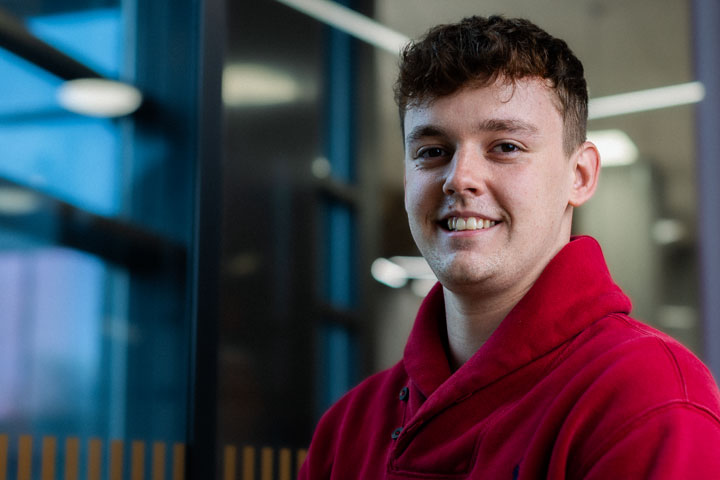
point(351, 22)
point(644, 100)
point(378, 35)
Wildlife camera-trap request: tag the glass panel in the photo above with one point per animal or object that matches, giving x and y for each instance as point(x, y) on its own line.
point(91, 349)
point(74, 361)
point(28, 89)
point(340, 258)
point(73, 158)
point(93, 37)
point(338, 364)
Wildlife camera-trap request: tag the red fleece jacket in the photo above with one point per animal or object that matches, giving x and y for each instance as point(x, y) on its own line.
point(567, 387)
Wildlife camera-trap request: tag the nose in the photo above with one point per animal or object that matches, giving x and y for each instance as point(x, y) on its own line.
point(465, 173)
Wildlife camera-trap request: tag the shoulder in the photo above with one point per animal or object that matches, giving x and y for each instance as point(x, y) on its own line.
point(639, 388)
point(630, 351)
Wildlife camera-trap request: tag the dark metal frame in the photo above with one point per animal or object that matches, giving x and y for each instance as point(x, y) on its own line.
point(202, 436)
point(19, 40)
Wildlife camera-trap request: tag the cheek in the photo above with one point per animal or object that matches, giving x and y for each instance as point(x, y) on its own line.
point(415, 192)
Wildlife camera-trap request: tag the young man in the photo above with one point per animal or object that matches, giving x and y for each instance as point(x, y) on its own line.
point(523, 362)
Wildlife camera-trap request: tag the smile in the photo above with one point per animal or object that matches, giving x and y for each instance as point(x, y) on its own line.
point(457, 224)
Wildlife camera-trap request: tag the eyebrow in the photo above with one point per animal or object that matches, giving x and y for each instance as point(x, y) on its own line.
point(511, 125)
point(423, 131)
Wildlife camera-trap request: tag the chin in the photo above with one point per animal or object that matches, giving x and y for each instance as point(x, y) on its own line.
point(463, 277)
point(467, 270)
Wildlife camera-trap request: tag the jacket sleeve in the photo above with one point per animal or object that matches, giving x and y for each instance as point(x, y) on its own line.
point(319, 460)
point(678, 440)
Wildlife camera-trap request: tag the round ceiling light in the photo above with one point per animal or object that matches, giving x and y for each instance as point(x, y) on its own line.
point(96, 97)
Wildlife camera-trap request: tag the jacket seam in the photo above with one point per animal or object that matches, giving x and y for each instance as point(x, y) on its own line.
point(668, 351)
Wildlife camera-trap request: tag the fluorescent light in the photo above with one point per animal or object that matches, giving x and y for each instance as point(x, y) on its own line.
point(644, 100)
point(677, 316)
point(422, 287)
point(351, 22)
point(667, 231)
point(388, 273)
point(615, 147)
point(97, 97)
point(415, 267)
point(397, 271)
point(380, 36)
point(258, 85)
point(18, 201)
point(321, 167)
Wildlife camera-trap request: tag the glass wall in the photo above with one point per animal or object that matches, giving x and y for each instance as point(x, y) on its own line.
point(96, 229)
point(292, 305)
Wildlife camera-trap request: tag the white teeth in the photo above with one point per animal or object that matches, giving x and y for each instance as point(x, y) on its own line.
point(470, 223)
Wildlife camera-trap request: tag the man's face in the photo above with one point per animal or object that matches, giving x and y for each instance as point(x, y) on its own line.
point(487, 184)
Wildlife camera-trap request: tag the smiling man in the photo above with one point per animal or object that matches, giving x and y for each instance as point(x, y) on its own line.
point(523, 362)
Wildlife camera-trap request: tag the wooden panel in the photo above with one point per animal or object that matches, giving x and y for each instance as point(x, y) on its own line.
point(94, 459)
point(158, 461)
point(49, 454)
point(266, 463)
point(137, 460)
point(230, 463)
point(72, 458)
point(285, 464)
point(25, 458)
point(179, 461)
point(116, 460)
point(248, 463)
point(270, 467)
point(3, 456)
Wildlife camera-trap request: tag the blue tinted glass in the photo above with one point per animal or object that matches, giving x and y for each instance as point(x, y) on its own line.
point(338, 363)
point(74, 158)
point(92, 37)
point(25, 88)
point(340, 260)
point(68, 348)
point(51, 341)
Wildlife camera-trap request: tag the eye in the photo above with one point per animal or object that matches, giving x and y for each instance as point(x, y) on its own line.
point(431, 152)
point(506, 148)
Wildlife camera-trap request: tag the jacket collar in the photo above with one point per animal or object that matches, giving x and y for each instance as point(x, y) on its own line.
point(574, 290)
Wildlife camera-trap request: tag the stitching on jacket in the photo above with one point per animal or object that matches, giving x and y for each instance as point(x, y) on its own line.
point(665, 347)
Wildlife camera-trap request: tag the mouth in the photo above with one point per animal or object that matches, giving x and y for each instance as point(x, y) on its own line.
point(459, 224)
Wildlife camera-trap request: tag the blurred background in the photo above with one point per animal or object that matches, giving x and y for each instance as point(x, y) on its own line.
point(205, 246)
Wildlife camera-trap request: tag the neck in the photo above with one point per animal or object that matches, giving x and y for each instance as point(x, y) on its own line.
point(471, 319)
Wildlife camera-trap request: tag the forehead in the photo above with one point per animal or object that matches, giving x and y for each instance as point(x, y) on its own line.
point(518, 104)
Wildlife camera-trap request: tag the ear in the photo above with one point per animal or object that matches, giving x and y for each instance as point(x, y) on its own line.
point(586, 163)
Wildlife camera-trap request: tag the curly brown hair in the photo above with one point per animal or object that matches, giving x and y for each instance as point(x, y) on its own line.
point(477, 51)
